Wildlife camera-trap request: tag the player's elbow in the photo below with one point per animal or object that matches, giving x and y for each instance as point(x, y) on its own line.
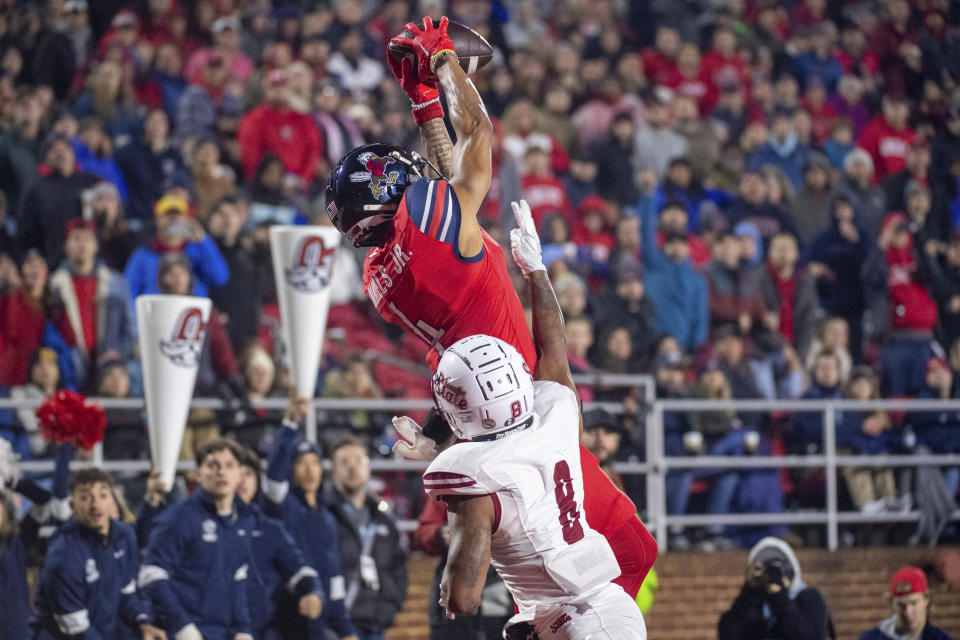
point(463, 599)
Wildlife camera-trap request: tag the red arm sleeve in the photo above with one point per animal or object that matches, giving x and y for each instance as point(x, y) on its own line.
point(427, 536)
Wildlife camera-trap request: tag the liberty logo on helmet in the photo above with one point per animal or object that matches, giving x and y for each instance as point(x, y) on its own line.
point(376, 174)
point(186, 342)
point(443, 388)
point(312, 265)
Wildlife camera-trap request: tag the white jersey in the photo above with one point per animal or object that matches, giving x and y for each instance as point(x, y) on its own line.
point(541, 545)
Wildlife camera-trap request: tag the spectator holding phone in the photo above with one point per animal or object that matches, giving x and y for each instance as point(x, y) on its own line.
point(177, 232)
point(774, 603)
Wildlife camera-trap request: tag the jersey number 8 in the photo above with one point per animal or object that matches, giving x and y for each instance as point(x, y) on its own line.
point(569, 512)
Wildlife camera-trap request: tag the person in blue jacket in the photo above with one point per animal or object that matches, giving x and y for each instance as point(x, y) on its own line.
point(677, 291)
point(196, 565)
point(88, 585)
point(177, 232)
point(305, 515)
point(280, 585)
point(911, 600)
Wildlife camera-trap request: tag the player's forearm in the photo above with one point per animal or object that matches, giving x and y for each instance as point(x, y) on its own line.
point(438, 146)
point(548, 328)
point(467, 113)
point(466, 570)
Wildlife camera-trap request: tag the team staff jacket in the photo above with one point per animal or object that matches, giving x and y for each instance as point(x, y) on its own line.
point(196, 566)
point(378, 598)
point(315, 532)
point(278, 566)
point(88, 584)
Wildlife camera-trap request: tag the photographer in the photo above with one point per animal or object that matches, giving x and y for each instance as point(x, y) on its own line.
point(775, 604)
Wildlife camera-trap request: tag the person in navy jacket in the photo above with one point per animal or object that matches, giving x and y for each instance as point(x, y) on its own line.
point(88, 584)
point(280, 585)
point(305, 515)
point(14, 593)
point(197, 561)
point(910, 600)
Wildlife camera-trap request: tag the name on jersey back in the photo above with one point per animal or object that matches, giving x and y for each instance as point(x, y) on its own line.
point(381, 281)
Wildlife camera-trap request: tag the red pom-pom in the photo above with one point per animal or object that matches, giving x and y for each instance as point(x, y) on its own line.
point(67, 417)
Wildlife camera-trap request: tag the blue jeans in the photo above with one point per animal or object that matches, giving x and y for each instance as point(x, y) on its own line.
point(724, 482)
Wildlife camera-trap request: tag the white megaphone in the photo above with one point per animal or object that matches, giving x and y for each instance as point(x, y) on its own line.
point(172, 332)
point(303, 260)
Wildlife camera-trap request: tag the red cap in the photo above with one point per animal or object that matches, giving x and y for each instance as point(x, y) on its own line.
point(935, 361)
point(908, 580)
point(78, 223)
point(592, 203)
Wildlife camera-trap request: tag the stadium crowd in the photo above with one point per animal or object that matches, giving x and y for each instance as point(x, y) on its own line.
point(743, 198)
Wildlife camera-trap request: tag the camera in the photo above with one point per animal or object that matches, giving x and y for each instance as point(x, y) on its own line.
point(773, 572)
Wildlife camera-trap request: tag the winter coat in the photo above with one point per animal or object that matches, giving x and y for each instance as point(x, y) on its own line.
point(207, 265)
point(88, 584)
point(808, 426)
point(103, 166)
point(769, 218)
point(732, 292)
point(613, 311)
point(196, 565)
point(887, 630)
point(373, 604)
point(678, 293)
point(937, 430)
point(44, 209)
point(115, 328)
point(805, 306)
point(870, 203)
point(315, 532)
point(148, 174)
point(18, 164)
point(14, 593)
point(844, 295)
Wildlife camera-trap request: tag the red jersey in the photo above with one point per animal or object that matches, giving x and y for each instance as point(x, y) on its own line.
point(419, 281)
point(887, 146)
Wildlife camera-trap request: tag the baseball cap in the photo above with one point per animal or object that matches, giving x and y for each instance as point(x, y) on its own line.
point(78, 223)
point(305, 446)
point(171, 204)
point(908, 580)
point(599, 418)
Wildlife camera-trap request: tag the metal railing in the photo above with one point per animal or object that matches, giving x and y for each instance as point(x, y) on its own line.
point(657, 463)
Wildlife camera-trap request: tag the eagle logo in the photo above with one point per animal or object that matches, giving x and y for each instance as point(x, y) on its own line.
point(376, 174)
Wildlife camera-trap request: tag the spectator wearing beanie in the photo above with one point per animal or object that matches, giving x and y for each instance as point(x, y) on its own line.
point(834, 259)
point(888, 137)
point(276, 128)
point(910, 599)
point(678, 293)
point(96, 301)
point(52, 199)
point(177, 232)
point(857, 184)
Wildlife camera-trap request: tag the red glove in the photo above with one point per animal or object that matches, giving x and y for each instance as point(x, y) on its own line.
point(425, 99)
point(431, 43)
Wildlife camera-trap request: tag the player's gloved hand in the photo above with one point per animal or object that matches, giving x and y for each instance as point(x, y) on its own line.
point(431, 43)
point(524, 241)
point(412, 444)
point(424, 98)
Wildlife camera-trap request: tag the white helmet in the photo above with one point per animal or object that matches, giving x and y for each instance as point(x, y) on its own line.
point(484, 388)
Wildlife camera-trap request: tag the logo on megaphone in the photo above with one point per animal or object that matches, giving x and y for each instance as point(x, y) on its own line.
point(312, 265)
point(186, 342)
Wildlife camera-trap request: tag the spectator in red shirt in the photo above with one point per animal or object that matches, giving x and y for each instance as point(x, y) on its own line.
point(789, 294)
point(814, 101)
point(691, 78)
point(660, 61)
point(854, 56)
point(901, 59)
point(275, 127)
point(723, 64)
point(96, 301)
point(541, 188)
point(888, 137)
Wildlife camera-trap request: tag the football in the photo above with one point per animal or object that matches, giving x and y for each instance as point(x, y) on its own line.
point(473, 49)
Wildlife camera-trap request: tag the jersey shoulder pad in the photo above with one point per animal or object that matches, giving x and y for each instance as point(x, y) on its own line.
point(556, 405)
point(434, 209)
point(457, 471)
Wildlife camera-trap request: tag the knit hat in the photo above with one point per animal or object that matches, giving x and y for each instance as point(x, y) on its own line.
point(78, 223)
